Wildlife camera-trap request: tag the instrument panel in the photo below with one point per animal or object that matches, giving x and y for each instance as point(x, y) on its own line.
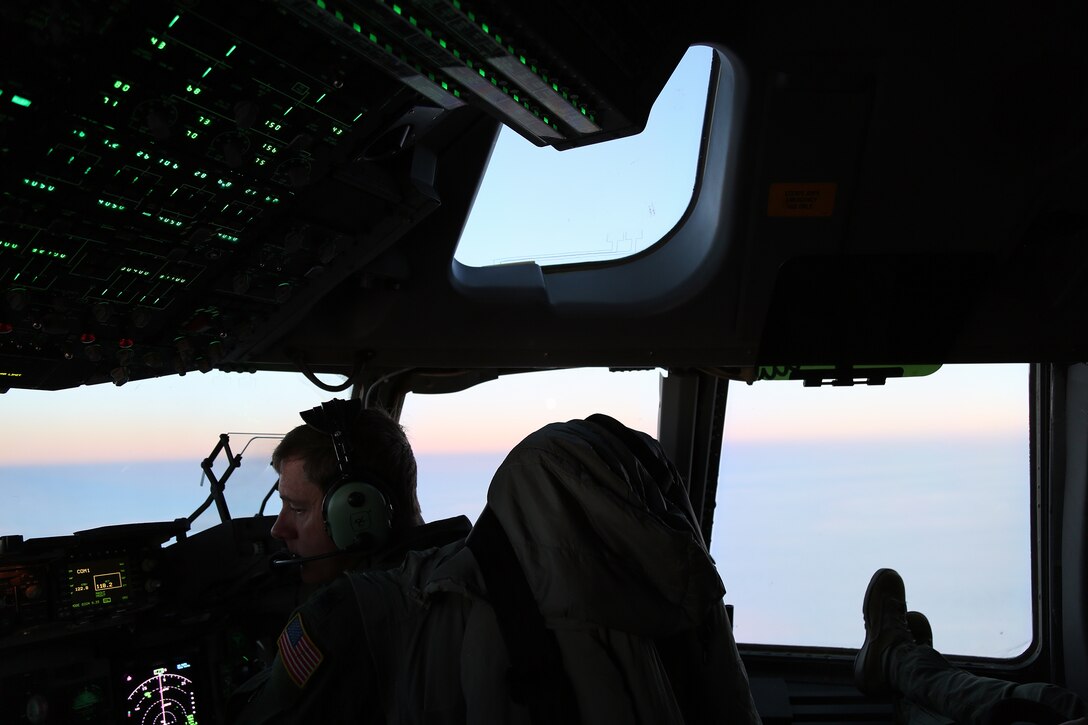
point(50, 583)
point(111, 625)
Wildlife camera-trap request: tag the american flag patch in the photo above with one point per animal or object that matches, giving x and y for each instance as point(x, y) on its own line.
point(298, 652)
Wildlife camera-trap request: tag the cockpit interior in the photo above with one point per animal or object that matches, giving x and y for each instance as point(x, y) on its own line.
point(879, 193)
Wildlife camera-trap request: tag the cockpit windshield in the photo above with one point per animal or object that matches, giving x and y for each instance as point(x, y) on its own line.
point(102, 455)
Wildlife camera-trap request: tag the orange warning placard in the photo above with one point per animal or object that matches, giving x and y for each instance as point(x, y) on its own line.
point(817, 199)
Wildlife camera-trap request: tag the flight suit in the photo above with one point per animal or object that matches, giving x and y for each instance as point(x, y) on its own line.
point(928, 681)
point(324, 670)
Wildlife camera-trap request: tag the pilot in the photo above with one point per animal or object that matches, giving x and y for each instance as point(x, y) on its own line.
point(897, 658)
point(319, 660)
point(307, 465)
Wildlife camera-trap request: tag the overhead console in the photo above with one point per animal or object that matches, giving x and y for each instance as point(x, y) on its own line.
point(182, 181)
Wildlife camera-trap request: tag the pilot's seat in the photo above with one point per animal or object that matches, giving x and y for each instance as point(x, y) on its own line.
point(584, 594)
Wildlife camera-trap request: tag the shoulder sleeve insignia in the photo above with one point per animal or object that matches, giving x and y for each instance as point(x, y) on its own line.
point(300, 656)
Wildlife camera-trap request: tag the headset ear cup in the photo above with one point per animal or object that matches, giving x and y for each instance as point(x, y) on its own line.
point(357, 516)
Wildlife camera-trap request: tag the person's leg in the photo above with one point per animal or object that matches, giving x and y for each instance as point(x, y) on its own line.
point(891, 662)
point(886, 630)
point(924, 677)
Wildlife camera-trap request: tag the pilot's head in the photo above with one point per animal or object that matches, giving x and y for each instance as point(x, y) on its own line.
point(306, 462)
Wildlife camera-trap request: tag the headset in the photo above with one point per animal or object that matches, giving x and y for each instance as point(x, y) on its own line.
point(357, 509)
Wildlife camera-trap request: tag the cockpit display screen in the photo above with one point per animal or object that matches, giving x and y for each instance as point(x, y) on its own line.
point(165, 694)
point(97, 583)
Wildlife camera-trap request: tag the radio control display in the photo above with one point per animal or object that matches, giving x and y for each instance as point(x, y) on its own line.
point(98, 583)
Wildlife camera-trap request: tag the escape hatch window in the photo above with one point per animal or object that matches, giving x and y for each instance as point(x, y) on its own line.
point(595, 203)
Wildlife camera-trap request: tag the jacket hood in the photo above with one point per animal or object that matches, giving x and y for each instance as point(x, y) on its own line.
point(601, 540)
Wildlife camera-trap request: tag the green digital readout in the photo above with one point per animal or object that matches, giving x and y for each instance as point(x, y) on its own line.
point(98, 583)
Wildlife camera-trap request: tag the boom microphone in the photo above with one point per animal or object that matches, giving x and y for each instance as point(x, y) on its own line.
point(286, 558)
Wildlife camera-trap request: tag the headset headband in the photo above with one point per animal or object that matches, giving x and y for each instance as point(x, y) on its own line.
point(334, 417)
point(357, 509)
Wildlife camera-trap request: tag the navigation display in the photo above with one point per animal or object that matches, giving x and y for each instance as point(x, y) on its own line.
point(97, 583)
point(163, 696)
